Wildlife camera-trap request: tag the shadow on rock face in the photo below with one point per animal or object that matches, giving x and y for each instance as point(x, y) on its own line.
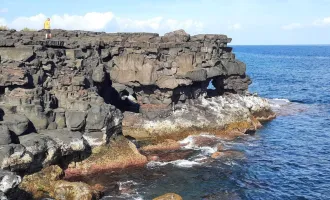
point(118, 99)
point(18, 193)
point(2, 113)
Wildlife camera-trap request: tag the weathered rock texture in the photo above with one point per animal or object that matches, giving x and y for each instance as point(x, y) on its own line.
point(48, 183)
point(64, 97)
point(68, 90)
point(227, 116)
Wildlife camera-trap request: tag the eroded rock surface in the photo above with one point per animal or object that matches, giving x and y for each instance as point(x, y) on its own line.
point(62, 101)
point(229, 116)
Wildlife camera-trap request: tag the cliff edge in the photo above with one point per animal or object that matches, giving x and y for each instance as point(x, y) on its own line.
point(62, 98)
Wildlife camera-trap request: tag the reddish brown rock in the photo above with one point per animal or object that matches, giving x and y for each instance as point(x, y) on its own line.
point(167, 145)
point(264, 115)
point(120, 153)
point(228, 154)
point(12, 75)
point(48, 183)
point(64, 190)
point(41, 184)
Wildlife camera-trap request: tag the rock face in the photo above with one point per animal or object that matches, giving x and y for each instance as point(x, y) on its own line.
point(228, 116)
point(68, 92)
point(61, 99)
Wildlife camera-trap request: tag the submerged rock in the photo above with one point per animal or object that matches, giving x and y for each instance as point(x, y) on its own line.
point(169, 196)
point(227, 154)
point(167, 145)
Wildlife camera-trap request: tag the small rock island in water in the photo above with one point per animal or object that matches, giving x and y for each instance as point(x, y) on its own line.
point(87, 102)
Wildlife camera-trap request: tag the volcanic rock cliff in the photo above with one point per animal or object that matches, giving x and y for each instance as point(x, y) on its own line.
point(62, 97)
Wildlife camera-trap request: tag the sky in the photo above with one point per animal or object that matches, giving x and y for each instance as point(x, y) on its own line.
point(253, 22)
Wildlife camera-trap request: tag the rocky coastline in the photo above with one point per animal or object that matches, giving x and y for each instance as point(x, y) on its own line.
point(87, 102)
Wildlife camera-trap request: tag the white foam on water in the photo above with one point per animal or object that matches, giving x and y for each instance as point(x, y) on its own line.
point(125, 196)
point(230, 163)
point(138, 198)
point(277, 103)
point(177, 163)
point(185, 163)
point(189, 143)
point(126, 183)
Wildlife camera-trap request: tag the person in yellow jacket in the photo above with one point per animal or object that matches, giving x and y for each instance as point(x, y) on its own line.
point(47, 28)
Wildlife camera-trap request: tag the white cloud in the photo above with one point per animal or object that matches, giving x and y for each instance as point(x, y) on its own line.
point(3, 10)
point(236, 26)
point(322, 22)
point(2, 22)
point(90, 21)
point(142, 25)
point(292, 26)
point(317, 23)
point(172, 24)
point(158, 24)
point(106, 21)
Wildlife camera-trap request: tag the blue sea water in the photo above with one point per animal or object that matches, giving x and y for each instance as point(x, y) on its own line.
point(289, 158)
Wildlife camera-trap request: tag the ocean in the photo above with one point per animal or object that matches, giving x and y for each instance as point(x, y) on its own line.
point(289, 158)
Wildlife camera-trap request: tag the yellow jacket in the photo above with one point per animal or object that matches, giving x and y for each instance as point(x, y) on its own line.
point(47, 24)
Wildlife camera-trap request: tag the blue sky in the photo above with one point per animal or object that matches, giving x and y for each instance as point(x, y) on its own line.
point(246, 21)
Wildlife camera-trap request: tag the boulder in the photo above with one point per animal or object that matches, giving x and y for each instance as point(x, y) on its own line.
point(8, 181)
point(95, 139)
point(98, 74)
point(69, 142)
point(234, 67)
point(176, 36)
point(169, 196)
point(16, 123)
point(75, 120)
point(44, 150)
point(5, 137)
point(34, 143)
point(37, 116)
point(120, 153)
point(14, 157)
point(64, 190)
point(48, 182)
point(97, 117)
point(42, 183)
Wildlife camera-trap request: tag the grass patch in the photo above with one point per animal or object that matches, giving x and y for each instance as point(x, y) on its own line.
point(3, 28)
point(28, 29)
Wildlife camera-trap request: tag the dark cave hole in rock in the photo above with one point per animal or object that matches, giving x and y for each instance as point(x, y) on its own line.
point(211, 90)
point(2, 90)
point(129, 101)
point(123, 100)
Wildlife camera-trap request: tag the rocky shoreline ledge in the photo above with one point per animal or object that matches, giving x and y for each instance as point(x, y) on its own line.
point(87, 102)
